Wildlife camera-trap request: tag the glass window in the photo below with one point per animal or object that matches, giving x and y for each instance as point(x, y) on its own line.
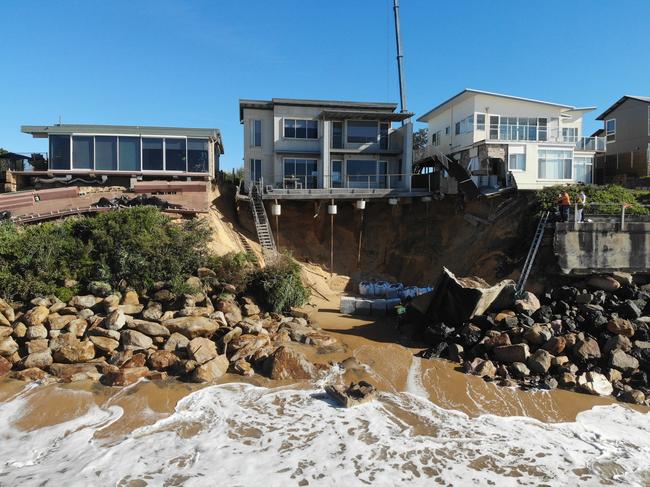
point(517, 162)
point(152, 154)
point(301, 173)
point(129, 148)
point(256, 169)
point(289, 128)
point(257, 133)
point(59, 152)
point(337, 174)
point(446, 130)
point(301, 129)
point(197, 155)
point(383, 136)
point(362, 132)
point(610, 130)
point(480, 121)
point(337, 135)
point(105, 153)
point(175, 155)
point(82, 152)
point(554, 164)
point(494, 126)
point(457, 131)
point(361, 173)
point(570, 134)
point(312, 129)
point(583, 166)
point(542, 133)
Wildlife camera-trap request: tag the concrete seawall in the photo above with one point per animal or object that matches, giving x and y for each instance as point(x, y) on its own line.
point(583, 248)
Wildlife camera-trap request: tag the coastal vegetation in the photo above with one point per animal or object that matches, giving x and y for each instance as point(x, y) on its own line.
point(603, 199)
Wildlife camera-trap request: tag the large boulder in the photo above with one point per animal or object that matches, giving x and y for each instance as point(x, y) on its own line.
point(115, 320)
point(555, 346)
point(5, 366)
point(527, 303)
point(586, 348)
point(36, 316)
point(149, 328)
point(8, 347)
point(124, 377)
point(286, 363)
point(153, 311)
point(605, 283)
point(34, 332)
point(56, 321)
point(481, 367)
point(620, 326)
point(67, 348)
point(231, 311)
point(104, 344)
point(540, 361)
point(201, 350)
point(617, 342)
point(512, 353)
point(211, 370)
point(623, 362)
point(162, 360)
point(192, 326)
point(135, 340)
point(176, 342)
point(595, 383)
point(74, 372)
point(83, 302)
point(38, 359)
point(538, 334)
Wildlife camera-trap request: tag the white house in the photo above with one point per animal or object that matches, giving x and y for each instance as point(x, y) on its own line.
point(302, 147)
point(504, 141)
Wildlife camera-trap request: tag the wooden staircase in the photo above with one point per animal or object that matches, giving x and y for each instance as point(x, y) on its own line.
point(262, 226)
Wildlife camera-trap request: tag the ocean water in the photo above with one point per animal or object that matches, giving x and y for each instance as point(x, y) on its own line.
point(243, 435)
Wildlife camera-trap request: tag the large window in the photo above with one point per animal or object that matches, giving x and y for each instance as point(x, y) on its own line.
point(570, 134)
point(494, 126)
point(383, 136)
point(256, 169)
point(83, 152)
point(480, 121)
point(197, 155)
point(59, 152)
point(152, 154)
point(300, 129)
point(584, 169)
point(516, 158)
point(337, 135)
point(175, 155)
point(435, 138)
point(362, 132)
point(129, 149)
point(105, 153)
point(257, 133)
point(362, 173)
point(300, 173)
point(610, 130)
point(554, 164)
point(337, 174)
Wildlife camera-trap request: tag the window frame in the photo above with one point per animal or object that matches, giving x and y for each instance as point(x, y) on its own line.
point(49, 158)
point(608, 133)
point(256, 132)
point(341, 145)
point(295, 128)
point(347, 136)
point(478, 124)
point(554, 149)
point(584, 163)
point(305, 176)
point(253, 169)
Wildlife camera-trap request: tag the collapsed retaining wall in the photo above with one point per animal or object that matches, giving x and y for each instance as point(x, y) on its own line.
point(584, 248)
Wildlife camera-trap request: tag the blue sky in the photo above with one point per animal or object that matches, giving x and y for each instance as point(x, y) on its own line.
point(187, 63)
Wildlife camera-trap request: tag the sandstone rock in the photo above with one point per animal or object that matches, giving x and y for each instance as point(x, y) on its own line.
point(67, 348)
point(103, 332)
point(136, 360)
point(319, 339)
point(604, 283)
point(131, 298)
point(31, 374)
point(210, 371)
point(56, 321)
point(355, 394)
point(634, 396)
point(162, 360)
point(104, 344)
point(75, 372)
point(519, 370)
point(115, 320)
point(84, 314)
point(111, 303)
point(623, 362)
point(620, 326)
point(153, 311)
point(5, 366)
point(176, 342)
point(286, 363)
point(617, 342)
point(5, 331)
point(83, 302)
point(231, 311)
point(34, 332)
point(246, 345)
point(527, 304)
point(595, 383)
point(36, 316)
point(540, 361)
point(77, 327)
point(586, 349)
point(249, 308)
point(20, 330)
point(538, 334)
point(8, 347)
point(192, 326)
point(512, 353)
point(485, 368)
point(498, 340)
point(149, 328)
point(38, 345)
point(135, 340)
point(236, 332)
point(125, 377)
point(131, 309)
point(559, 361)
point(555, 345)
point(4, 321)
point(38, 359)
point(641, 344)
point(614, 375)
point(202, 350)
point(164, 296)
point(40, 302)
point(98, 288)
point(243, 368)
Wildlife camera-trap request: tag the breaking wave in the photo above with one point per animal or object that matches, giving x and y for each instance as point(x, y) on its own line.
point(248, 435)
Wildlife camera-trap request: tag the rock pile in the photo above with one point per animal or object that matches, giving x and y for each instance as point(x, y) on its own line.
point(593, 337)
point(118, 338)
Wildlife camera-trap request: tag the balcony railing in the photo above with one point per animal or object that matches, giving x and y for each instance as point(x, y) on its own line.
point(522, 133)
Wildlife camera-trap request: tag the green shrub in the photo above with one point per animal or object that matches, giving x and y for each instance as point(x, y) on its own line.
point(605, 199)
point(233, 268)
point(278, 286)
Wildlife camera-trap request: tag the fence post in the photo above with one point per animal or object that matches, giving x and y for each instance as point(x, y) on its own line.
point(575, 216)
point(623, 217)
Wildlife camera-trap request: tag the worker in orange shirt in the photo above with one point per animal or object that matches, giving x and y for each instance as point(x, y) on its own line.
point(565, 204)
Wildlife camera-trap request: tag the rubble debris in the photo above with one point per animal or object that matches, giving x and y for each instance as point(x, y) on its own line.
point(355, 394)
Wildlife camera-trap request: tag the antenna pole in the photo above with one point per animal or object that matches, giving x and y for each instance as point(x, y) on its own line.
point(400, 58)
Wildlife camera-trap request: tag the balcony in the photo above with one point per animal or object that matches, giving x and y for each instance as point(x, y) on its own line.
point(533, 133)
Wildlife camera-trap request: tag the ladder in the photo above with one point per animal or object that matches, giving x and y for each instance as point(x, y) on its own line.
point(262, 226)
point(532, 253)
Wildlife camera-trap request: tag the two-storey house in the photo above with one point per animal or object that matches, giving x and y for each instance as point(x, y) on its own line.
point(626, 127)
point(503, 141)
point(316, 147)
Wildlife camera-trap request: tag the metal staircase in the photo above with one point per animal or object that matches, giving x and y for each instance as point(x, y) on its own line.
point(264, 233)
point(532, 252)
